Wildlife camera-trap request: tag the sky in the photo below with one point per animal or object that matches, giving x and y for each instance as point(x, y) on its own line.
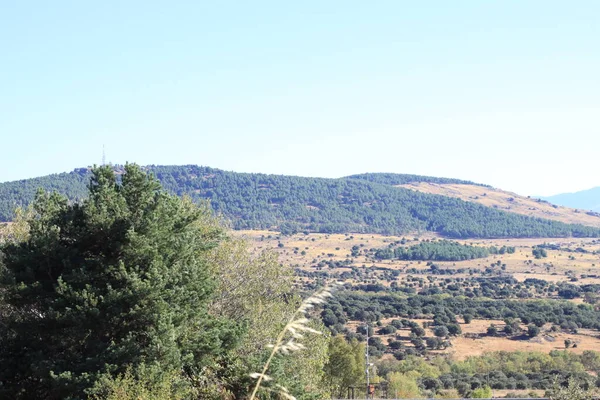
point(499, 92)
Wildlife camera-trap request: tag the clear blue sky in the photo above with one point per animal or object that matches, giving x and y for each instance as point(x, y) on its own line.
point(500, 92)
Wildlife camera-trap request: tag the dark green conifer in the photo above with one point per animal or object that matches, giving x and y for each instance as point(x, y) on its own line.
point(119, 280)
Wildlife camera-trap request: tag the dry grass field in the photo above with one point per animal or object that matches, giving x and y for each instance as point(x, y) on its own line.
point(565, 265)
point(463, 347)
point(305, 251)
point(508, 201)
point(474, 340)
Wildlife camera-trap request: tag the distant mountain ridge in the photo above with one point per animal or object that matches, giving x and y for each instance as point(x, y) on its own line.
point(585, 199)
point(359, 203)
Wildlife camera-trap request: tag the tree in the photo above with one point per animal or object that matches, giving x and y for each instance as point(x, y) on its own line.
point(402, 385)
point(454, 329)
point(344, 366)
point(463, 388)
point(511, 326)
point(434, 343)
point(117, 281)
point(492, 330)
point(417, 331)
point(396, 345)
point(257, 290)
point(467, 318)
point(539, 252)
point(418, 343)
point(387, 330)
point(533, 330)
point(441, 331)
point(571, 391)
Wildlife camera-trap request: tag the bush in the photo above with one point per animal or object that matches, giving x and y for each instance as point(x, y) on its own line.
point(441, 331)
point(533, 330)
point(482, 393)
point(147, 384)
point(387, 330)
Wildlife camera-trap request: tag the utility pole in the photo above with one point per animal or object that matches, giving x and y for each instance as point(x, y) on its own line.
point(367, 363)
point(103, 156)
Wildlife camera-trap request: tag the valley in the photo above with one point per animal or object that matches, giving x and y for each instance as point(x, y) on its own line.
point(567, 276)
point(444, 275)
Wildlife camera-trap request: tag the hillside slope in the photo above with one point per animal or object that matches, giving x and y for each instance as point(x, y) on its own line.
point(507, 201)
point(585, 199)
point(287, 203)
point(400, 179)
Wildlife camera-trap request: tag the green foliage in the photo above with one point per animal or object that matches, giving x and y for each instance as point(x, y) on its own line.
point(533, 331)
point(402, 385)
point(147, 384)
point(477, 375)
point(120, 279)
point(394, 305)
point(482, 393)
point(281, 377)
point(571, 391)
point(441, 331)
point(260, 201)
point(539, 252)
point(436, 250)
point(344, 367)
point(255, 289)
point(303, 372)
point(454, 329)
point(22, 193)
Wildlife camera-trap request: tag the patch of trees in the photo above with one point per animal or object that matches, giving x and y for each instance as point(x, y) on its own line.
point(260, 201)
point(21, 193)
point(539, 252)
point(495, 370)
point(554, 246)
point(440, 250)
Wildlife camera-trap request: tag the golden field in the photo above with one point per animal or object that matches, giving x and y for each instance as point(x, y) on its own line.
point(508, 201)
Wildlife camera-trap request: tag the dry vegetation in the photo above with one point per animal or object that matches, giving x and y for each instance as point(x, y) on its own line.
point(474, 340)
point(464, 346)
point(508, 201)
point(305, 251)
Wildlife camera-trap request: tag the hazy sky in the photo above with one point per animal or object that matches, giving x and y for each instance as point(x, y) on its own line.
point(499, 92)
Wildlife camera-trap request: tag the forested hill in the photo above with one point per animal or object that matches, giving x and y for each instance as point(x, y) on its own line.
point(259, 201)
point(402, 179)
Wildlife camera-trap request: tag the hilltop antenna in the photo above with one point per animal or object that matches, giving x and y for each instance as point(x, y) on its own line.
point(103, 156)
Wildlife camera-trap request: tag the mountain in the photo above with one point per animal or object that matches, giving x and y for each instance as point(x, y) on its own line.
point(585, 199)
point(366, 203)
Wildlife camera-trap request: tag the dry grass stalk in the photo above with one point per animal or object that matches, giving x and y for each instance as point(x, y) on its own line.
point(296, 326)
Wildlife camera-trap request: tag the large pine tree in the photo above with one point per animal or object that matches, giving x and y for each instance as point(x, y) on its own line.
point(121, 279)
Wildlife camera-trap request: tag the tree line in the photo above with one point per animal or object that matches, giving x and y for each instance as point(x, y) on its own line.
point(374, 306)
